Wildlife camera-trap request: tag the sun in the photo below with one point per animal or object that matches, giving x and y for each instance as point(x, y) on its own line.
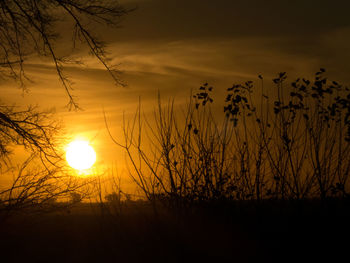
point(80, 155)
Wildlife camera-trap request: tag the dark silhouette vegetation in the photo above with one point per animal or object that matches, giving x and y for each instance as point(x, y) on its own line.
point(288, 141)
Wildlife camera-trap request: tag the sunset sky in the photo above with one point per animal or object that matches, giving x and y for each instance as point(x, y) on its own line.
point(173, 46)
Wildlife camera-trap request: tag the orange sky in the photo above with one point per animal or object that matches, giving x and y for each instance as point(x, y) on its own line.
point(175, 46)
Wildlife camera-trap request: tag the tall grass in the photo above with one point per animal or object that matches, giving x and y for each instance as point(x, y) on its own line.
point(290, 141)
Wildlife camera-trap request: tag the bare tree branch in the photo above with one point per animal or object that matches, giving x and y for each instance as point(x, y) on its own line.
point(29, 27)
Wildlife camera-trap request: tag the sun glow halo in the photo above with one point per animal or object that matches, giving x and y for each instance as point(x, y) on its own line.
point(80, 155)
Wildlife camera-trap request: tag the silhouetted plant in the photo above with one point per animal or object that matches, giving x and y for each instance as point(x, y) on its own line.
point(291, 143)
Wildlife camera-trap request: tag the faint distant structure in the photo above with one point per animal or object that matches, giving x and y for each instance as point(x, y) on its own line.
point(75, 197)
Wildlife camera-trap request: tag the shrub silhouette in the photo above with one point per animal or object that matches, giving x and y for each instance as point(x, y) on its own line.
point(289, 143)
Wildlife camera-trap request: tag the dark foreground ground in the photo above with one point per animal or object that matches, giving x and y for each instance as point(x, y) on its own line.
point(245, 232)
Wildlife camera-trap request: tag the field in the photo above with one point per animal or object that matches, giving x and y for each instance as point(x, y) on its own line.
point(217, 232)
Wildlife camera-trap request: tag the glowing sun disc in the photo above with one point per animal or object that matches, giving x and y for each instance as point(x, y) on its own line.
point(80, 155)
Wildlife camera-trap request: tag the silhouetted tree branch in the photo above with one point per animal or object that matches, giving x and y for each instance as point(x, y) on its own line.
point(38, 190)
point(30, 27)
point(42, 182)
point(30, 128)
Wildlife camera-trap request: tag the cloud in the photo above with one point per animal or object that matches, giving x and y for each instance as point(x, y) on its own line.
point(226, 18)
